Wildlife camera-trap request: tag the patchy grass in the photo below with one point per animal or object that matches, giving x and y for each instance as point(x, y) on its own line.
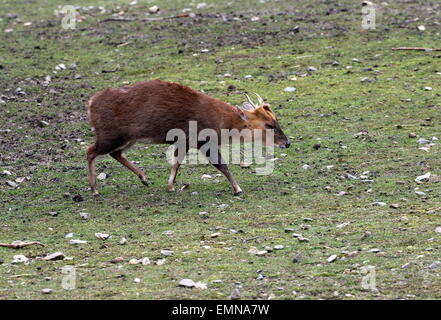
point(330, 107)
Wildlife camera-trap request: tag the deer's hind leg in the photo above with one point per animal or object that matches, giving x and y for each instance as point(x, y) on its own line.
point(178, 158)
point(102, 147)
point(118, 156)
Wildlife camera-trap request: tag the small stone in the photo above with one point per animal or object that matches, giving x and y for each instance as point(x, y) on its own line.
point(154, 9)
point(332, 258)
point(20, 180)
point(427, 88)
point(200, 285)
point(422, 141)
point(424, 177)
point(60, 67)
point(289, 89)
point(145, 261)
point(6, 173)
point(17, 259)
point(12, 184)
point(421, 28)
point(342, 225)
point(412, 135)
point(248, 76)
point(55, 256)
point(117, 260)
point(77, 241)
point(85, 215)
point(405, 266)
point(374, 250)
point(134, 261)
point(168, 233)
point(352, 254)
point(404, 219)
point(434, 265)
point(245, 164)
point(438, 229)
point(186, 283)
point(312, 69)
point(102, 236)
point(215, 235)
point(306, 167)
point(350, 176)
point(167, 253)
point(278, 247)
point(394, 205)
point(46, 291)
point(123, 241)
point(303, 239)
point(201, 5)
point(379, 204)
point(261, 252)
point(137, 280)
point(102, 176)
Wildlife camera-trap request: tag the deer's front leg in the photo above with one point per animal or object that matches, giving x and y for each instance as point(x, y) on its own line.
point(218, 162)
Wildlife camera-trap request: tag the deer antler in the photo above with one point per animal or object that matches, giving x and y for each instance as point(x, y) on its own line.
point(250, 101)
point(259, 98)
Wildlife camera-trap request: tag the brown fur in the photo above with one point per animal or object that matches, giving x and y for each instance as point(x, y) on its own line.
point(149, 109)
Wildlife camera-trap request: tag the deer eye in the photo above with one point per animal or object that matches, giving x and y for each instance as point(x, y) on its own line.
point(268, 126)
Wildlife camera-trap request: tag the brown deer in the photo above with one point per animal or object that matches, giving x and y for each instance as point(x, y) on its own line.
point(146, 111)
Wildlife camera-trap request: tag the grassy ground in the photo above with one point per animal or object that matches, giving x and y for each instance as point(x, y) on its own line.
point(44, 133)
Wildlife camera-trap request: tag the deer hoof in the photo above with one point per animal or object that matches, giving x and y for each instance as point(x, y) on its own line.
point(144, 182)
point(238, 193)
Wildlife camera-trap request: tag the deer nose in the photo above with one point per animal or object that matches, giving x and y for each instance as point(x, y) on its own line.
point(287, 144)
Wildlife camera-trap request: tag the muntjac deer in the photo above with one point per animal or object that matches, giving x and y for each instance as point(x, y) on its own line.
point(147, 111)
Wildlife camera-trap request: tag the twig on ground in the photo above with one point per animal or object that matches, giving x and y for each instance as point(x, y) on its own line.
point(115, 19)
point(20, 244)
point(417, 49)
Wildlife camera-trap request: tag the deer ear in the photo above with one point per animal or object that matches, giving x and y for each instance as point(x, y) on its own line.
point(242, 114)
point(267, 107)
point(247, 106)
point(265, 111)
